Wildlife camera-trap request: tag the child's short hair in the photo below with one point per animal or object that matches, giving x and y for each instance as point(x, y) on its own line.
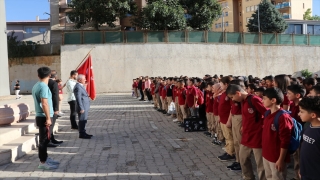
point(316, 89)
point(274, 93)
point(310, 81)
point(311, 104)
point(238, 82)
point(226, 80)
point(260, 89)
point(210, 83)
point(297, 89)
point(58, 80)
point(270, 78)
point(253, 86)
point(233, 88)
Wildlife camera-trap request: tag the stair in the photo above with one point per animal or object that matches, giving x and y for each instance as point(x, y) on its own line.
point(18, 139)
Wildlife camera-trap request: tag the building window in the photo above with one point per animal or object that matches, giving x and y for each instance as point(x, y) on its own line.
point(28, 30)
point(248, 9)
point(317, 30)
point(251, 8)
point(310, 29)
point(42, 30)
point(226, 13)
point(256, 7)
point(68, 1)
point(240, 4)
point(248, 20)
point(216, 26)
point(227, 23)
point(240, 14)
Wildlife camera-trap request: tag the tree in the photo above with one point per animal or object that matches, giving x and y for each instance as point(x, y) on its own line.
point(201, 13)
point(160, 15)
point(307, 16)
point(98, 12)
point(271, 21)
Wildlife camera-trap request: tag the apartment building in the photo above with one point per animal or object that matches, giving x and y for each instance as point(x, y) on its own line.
point(37, 31)
point(236, 13)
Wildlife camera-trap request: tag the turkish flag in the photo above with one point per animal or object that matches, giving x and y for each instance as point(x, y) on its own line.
point(86, 69)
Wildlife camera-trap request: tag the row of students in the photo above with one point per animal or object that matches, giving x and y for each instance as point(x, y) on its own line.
point(238, 118)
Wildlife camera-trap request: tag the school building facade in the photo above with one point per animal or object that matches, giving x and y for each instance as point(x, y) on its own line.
point(236, 13)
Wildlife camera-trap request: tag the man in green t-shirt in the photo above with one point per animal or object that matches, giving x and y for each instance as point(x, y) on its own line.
point(44, 112)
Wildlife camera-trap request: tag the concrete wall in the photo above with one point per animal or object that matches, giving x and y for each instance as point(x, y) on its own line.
point(115, 65)
point(26, 71)
point(4, 80)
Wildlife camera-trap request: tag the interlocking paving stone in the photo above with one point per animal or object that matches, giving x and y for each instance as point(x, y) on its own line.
point(131, 141)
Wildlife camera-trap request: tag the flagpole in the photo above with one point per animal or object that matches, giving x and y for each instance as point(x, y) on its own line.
point(84, 58)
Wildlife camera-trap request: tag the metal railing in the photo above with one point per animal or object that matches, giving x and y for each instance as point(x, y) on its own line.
point(107, 37)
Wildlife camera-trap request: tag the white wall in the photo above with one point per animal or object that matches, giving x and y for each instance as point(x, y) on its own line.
point(115, 65)
point(4, 80)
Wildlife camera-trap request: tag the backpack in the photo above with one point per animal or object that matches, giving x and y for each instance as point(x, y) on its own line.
point(252, 106)
point(200, 97)
point(296, 130)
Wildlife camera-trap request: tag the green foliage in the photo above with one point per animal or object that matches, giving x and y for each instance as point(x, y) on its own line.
point(99, 12)
point(160, 15)
point(306, 73)
point(177, 14)
point(20, 49)
point(307, 16)
point(271, 21)
point(202, 13)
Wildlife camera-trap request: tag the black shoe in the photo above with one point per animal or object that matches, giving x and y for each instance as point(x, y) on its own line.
point(217, 142)
point(209, 135)
point(56, 142)
point(237, 167)
point(58, 115)
point(160, 110)
point(89, 135)
point(141, 100)
point(232, 165)
point(50, 144)
point(181, 125)
point(226, 157)
point(206, 133)
point(76, 128)
point(84, 136)
point(164, 112)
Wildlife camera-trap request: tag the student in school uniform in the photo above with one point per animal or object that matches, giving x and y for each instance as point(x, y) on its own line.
point(252, 111)
point(282, 82)
point(192, 98)
point(135, 88)
point(310, 146)
point(209, 110)
point(175, 95)
point(275, 142)
point(152, 91)
point(225, 121)
point(236, 118)
point(259, 92)
point(252, 88)
point(169, 91)
point(181, 94)
point(295, 94)
point(164, 97)
point(217, 91)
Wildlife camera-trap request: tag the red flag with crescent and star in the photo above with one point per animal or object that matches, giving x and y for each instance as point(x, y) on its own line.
point(86, 69)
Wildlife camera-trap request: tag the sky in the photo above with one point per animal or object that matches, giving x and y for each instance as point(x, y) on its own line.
point(24, 10)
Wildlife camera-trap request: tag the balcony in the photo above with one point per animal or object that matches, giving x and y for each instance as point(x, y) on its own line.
point(286, 16)
point(283, 5)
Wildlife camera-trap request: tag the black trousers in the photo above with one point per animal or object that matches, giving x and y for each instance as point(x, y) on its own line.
point(73, 113)
point(53, 122)
point(142, 94)
point(82, 127)
point(149, 96)
point(43, 138)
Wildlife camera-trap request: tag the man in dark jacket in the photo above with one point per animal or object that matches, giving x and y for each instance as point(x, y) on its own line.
point(53, 86)
point(140, 88)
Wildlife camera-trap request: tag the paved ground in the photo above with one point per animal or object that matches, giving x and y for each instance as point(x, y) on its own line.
point(132, 141)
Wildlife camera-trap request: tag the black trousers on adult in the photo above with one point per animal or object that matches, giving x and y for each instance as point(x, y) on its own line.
point(82, 127)
point(53, 122)
point(142, 95)
point(73, 114)
point(43, 138)
point(149, 96)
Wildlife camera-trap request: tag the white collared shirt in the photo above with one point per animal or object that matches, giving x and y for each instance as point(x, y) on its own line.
point(70, 86)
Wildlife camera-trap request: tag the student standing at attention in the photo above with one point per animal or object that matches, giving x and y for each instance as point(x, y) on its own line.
point(310, 146)
point(275, 140)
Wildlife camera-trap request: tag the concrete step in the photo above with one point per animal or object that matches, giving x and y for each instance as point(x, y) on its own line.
point(17, 148)
point(10, 133)
point(12, 150)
